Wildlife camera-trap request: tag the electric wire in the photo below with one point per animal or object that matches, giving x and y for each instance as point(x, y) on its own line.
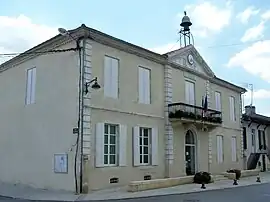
point(74, 49)
point(38, 52)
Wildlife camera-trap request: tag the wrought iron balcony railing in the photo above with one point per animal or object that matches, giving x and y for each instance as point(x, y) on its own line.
point(182, 110)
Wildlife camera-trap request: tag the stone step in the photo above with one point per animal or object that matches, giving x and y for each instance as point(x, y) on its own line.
point(219, 178)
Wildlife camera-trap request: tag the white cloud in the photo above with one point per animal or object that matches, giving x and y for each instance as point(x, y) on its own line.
point(247, 13)
point(258, 94)
point(253, 33)
point(20, 33)
point(208, 18)
point(255, 59)
point(266, 15)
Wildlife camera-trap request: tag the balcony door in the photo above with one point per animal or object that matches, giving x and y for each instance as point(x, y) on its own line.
point(190, 95)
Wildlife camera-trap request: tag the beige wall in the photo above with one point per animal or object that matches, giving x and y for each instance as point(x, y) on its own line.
point(227, 130)
point(32, 134)
point(225, 105)
point(227, 162)
point(100, 177)
point(128, 82)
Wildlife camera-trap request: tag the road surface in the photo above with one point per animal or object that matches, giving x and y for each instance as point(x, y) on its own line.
point(254, 193)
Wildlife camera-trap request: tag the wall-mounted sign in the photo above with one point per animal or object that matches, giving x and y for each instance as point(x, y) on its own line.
point(75, 130)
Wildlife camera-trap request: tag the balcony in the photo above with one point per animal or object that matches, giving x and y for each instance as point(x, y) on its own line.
point(186, 113)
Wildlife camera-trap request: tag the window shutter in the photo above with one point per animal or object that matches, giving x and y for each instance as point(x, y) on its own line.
point(218, 101)
point(141, 86)
point(114, 78)
point(107, 76)
point(191, 93)
point(233, 148)
point(187, 96)
point(230, 100)
point(99, 144)
point(147, 86)
point(33, 85)
point(154, 146)
point(123, 145)
point(28, 86)
point(136, 146)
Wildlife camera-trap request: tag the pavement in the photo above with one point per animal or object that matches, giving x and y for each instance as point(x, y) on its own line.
point(21, 192)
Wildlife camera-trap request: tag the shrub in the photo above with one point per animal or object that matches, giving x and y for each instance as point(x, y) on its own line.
point(237, 173)
point(202, 177)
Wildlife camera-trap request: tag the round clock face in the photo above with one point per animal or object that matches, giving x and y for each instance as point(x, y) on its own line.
point(190, 59)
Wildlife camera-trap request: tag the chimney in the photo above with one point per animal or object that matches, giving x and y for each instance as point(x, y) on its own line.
point(250, 110)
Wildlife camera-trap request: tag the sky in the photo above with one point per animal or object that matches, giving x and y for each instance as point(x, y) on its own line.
point(231, 35)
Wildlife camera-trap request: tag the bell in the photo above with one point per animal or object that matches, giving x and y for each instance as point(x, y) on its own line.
point(185, 22)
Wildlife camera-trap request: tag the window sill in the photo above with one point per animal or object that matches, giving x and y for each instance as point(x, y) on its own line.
point(145, 167)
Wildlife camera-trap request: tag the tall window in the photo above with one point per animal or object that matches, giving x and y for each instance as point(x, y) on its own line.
point(233, 147)
point(190, 95)
point(232, 108)
point(111, 81)
point(144, 86)
point(145, 138)
point(30, 86)
point(145, 146)
point(245, 137)
point(190, 92)
point(110, 144)
point(218, 101)
point(220, 155)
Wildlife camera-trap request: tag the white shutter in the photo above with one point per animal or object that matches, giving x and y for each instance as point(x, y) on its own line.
point(232, 113)
point(187, 91)
point(191, 93)
point(136, 146)
point(218, 101)
point(114, 78)
point(107, 76)
point(141, 86)
point(28, 86)
point(219, 149)
point(154, 146)
point(99, 145)
point(147, 86)
point(33, 85)
point(233, 149)
point(123, 145)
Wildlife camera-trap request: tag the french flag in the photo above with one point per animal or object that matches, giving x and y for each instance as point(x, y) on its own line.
point(204, 105)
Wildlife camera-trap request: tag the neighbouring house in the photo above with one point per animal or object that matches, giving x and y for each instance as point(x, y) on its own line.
point(256, 133)
point(154, 116)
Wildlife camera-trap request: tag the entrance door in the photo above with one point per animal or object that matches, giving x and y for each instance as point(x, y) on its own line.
point(190, 153)
point(253, 141)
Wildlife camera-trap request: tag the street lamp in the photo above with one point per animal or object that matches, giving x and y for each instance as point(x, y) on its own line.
point(95, 86)
point(83, 89)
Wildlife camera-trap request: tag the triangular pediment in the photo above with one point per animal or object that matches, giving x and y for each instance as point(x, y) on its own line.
point(190, 57)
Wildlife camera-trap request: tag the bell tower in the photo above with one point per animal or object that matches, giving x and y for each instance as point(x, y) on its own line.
point(186, 38)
